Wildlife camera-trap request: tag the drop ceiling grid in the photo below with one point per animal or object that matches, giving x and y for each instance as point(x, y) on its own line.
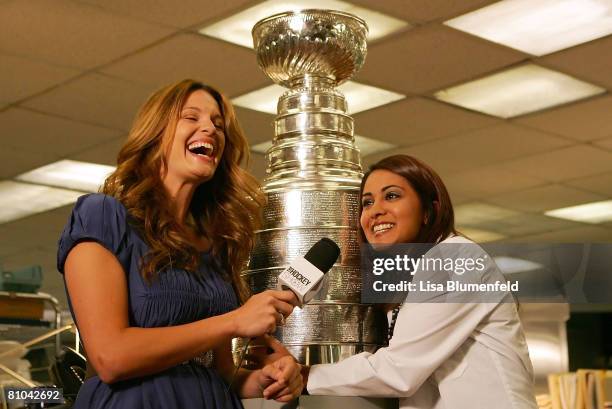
point(582, 121)
point(563, 164)
point(421, 11)
point(94, 98)
point(605, 143)
point(491, 180)
point(485, 146)
point(525, 224)
point(229, 67)
point(99, 76)
point(22, 77)
point(15, 161)
point(71, 34)
point(39, 230)
point(417, 120)
point(600, 183)
point(591, 61)
point(430, 57)
point(543, 198)
point(581, 234)
point(36, 132)
point(104, 153)
point(166, 13)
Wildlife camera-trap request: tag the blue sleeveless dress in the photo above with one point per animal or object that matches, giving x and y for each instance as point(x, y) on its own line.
point(176, 297)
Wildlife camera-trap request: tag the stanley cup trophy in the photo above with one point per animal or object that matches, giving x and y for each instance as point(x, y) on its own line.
point(314, 172)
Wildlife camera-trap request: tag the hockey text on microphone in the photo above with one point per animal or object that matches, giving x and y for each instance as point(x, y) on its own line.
point(298, 277)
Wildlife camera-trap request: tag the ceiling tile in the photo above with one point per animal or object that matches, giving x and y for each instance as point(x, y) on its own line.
point(71, 34)
point(231, 68)
point(583, 121)
point(423, 10)
point(23, 77)
point(583, 234)
point(257, 126)
point(35, 132)
point(104, 153)
point(426, 59)
point(96, 99)
point(486, 181)
point(416, 120)
point(543, 198)
point(8, 248)
point(586, 61)
point(605, 143)
point(601, 184)
point(475, 213)
point(563, 164)
point(478, 235)
point(33, 255)
point(41, 229)
point(15, 161)
point(168, 13)
point(524, 224)
point(482, 147)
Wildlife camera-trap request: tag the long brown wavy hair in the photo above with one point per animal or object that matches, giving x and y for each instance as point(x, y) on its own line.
point(432, 193)
point(225, 209)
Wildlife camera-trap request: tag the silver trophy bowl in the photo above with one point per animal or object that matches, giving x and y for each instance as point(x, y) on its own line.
point(323, 43)
point(312, 184)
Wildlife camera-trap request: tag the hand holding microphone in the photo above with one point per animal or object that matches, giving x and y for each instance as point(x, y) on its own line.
point(263, 312)
point(303, 277)
point(298, 283)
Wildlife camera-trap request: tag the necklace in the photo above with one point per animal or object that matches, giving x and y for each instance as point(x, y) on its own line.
point(392, 324)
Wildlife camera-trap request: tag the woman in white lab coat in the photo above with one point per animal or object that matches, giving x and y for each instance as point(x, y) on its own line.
point(441, 354)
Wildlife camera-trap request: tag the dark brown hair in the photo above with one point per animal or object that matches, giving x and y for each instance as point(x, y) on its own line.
point(226, 209)
point(432, 194)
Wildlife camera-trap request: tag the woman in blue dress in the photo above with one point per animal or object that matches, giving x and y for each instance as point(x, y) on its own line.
point(152, 266)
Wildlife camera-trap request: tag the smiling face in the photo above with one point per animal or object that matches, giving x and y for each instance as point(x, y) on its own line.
point(198, 141)
point(391, 209)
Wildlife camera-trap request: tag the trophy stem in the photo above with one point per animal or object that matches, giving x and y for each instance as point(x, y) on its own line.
point(313, 143)
point(312, 81)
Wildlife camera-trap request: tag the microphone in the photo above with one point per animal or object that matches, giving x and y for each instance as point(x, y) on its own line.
point(305, 274)
point(304, 277)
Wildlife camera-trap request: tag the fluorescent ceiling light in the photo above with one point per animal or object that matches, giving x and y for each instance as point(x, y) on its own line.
point(237, 28)
point(480, 236)
point(19, 200)
point(596, 212)
point(367, 146)
point(70, 174)
point(476, 213)
point(518, 91)
point(512, 265)
point(360, 97)
point(539, 27)
point(262, 100)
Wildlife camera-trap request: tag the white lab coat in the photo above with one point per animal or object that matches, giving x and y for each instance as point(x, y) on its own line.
point(442, 356)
